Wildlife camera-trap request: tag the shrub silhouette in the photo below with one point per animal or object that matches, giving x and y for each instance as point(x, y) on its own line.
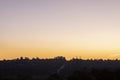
point(77, 75)
point(75, 69)
point(54, 77)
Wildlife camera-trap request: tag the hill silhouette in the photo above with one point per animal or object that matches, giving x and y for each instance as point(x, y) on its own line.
point(59, 68)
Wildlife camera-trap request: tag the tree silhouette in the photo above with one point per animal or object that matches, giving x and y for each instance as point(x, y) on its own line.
point(59, 68)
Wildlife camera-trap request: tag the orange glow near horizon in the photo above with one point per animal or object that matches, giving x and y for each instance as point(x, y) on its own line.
point(11, 52)
point(69, 28)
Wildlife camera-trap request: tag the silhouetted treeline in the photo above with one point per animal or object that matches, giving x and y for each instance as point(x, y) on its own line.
point(59, 68)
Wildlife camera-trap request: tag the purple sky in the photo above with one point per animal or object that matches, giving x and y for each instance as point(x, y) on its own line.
point(59, 27)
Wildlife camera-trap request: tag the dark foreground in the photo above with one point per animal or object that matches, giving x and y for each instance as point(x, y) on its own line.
point(59, 69)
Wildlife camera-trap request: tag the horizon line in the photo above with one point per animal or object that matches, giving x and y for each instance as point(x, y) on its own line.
point(58, 57)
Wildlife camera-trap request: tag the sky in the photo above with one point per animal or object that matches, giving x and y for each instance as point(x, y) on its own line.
point(70, 28)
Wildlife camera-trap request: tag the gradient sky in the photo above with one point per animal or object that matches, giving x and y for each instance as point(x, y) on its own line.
point(70, 28)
